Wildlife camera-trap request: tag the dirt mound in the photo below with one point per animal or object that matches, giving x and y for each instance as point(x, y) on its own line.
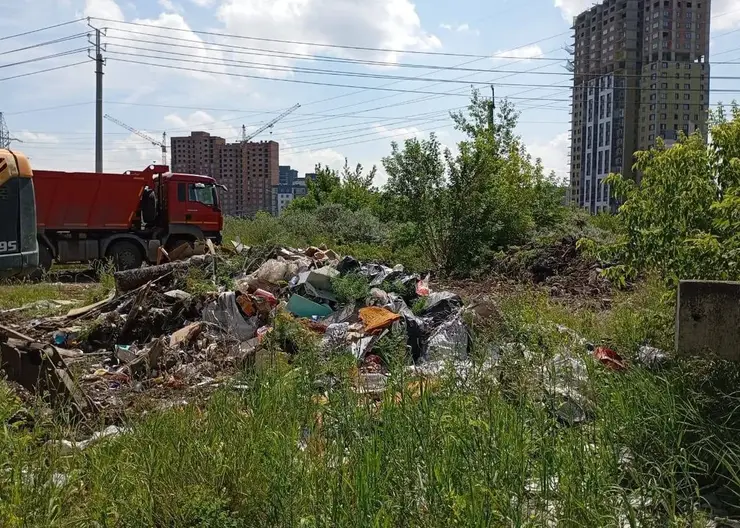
point(557, 264)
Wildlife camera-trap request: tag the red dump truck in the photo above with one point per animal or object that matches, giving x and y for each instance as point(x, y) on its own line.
point(84, 216)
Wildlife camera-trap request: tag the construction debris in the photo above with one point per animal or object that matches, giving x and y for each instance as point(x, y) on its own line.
point(161, 338)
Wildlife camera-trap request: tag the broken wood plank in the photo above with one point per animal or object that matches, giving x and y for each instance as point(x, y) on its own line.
point(74, 312)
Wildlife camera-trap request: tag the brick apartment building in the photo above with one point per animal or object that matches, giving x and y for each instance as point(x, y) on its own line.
point(248, 170)
point(641, 72)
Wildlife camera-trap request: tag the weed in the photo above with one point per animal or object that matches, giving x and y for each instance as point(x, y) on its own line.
point(419, 305)
point(351, 287)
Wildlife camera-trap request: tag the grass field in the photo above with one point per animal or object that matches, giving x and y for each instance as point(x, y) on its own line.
point(298, 446)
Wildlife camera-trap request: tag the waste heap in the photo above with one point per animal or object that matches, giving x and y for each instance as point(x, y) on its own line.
point(161, 340)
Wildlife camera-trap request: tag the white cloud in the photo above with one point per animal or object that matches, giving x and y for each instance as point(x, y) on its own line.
point(396, 132)
point(532, 51)
point(202, 3)
point(571, 8)
point(168, 5)
point(31, 137)
point(554, 154)
point(203, 121)
point(392, 24)
point(460, 28)
point(103, 9)
point(730, 12)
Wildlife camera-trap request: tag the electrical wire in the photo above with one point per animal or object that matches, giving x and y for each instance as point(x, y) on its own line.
point(43, 71)
point(45, 57)
point(47, 43)
point(46, 28)
point(296, 81)
point(312, 44)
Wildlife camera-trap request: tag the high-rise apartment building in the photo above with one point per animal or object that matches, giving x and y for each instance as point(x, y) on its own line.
point(196, 153)
point(640, 72)
point(248, 170)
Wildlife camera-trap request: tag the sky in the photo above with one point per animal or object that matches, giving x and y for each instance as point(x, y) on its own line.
point(173, 66)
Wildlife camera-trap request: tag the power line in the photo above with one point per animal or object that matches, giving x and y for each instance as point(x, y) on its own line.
point(42, 29)
point(313, 44)
point(244, 50)
point(43, 71)
point(296, 81)
point(47, 43)
point(45, 57)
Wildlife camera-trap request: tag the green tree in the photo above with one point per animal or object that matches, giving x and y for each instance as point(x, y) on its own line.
point(414, 191)
point(683, 220)
point(497, 194)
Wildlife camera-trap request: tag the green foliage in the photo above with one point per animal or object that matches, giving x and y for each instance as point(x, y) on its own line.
point(351, 287)
point(419, 305)
point(351, 189)
point(683, 220)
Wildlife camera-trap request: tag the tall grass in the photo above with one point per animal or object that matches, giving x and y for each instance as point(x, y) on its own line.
point(301, 447)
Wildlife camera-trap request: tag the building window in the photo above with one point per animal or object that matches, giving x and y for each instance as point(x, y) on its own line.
point(686, 107)
point(686, 96)
point(652, 126)
point(588, 164)
point(600, 163)
point(607, 139)
point(652, 117)
point(686, 117)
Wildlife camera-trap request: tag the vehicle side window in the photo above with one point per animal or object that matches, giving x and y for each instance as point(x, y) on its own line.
point(180, 192)
point(197, 192)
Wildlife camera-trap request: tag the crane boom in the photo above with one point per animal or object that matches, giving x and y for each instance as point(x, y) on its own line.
point(270, 124)
point(161, 144)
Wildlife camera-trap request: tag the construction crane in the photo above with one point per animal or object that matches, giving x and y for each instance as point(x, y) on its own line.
point(162, 144)
point(261, 129)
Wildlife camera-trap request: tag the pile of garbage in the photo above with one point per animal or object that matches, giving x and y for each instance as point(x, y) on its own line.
point(159, 340)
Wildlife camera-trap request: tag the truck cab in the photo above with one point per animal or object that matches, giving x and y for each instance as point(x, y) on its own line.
point(190, 206)
point(19, 252)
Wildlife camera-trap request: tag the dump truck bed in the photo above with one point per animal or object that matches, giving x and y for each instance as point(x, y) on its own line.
point(88, 201)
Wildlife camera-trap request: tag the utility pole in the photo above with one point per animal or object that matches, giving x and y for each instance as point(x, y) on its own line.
point(4, 133)
point(98, 104)
point(491, 109)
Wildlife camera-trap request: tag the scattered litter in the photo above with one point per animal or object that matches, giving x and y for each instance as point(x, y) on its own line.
point(177, 295)
point(651, 357)
point(609, 358)
point(377, 318)
point(302, 307)
point(68, 447)
point(225, 314)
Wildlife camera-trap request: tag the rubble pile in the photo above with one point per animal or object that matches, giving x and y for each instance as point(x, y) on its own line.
point(558, 265)
point(161, 340)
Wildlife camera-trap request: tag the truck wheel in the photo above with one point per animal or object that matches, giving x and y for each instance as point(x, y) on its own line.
point(45, 260)
point(126, 255)
point(45, 257)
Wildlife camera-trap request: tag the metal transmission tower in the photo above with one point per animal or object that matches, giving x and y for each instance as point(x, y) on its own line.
point(4, 133)
point(161, 144)
point(270, 124)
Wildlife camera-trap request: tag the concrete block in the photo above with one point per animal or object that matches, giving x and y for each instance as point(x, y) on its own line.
point(708, 319)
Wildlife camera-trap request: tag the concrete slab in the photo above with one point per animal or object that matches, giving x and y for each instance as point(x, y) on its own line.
point(708, 319)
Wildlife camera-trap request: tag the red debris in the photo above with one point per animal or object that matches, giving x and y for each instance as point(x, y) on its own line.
point(609, 358)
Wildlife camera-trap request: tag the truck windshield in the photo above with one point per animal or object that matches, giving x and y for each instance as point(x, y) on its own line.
point(203, 193)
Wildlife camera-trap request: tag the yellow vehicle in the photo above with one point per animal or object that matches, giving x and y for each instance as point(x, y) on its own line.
point(19, 253)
